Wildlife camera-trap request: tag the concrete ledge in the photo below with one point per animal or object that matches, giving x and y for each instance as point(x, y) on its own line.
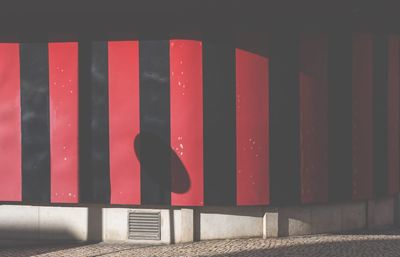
point(397, 210)
point(19, 222)
point(222, 223)
point(316, 219)
point(115, 222)
point(326, 218)
point(32, 222)
point(180, 225)
point(63, 223)
point(354, 216)
point(183, 226)
point(270, 223)
point(380, 212)
point(294, 221)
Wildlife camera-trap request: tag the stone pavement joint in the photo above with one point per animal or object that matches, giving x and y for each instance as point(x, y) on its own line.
point(365, 243)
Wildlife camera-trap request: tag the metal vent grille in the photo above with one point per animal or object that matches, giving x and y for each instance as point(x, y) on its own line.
point(144, 225)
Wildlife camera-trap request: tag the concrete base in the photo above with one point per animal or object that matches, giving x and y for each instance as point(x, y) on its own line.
point(317, 219)
point(32, 222)
point(183, 226)
point(380, 213)
point(88, 224)
point(223, 223)
point(180, 225)
point(396, 207)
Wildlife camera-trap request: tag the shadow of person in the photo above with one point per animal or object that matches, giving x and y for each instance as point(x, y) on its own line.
point(157, 159)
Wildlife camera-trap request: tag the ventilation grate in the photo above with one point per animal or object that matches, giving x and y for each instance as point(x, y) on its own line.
point(144, 225)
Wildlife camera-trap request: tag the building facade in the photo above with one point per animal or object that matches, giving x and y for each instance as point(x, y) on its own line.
point(223, 127)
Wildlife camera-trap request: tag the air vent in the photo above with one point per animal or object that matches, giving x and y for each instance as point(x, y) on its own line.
point(144, 225)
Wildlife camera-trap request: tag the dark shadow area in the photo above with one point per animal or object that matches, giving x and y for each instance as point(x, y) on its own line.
point(154, 104)
point(153, 152)
point(380, 115)
point(24, 248)
point(51, 240)
point(254, 42)
point(246, 211)
point(284, 120)
point(35, 123)
point(219, 119)
point(388, 231)
point(177, 15)
point(29, 248)
point(196, 225)
point(94, 177)
point(95, 224)
point(85, 112)
point(172, 226)
point(339, 75)
point(36, 248)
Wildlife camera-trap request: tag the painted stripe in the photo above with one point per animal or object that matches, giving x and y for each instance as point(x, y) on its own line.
point(252, 131)
point(123, 67)
point(313, 117)
point(362, 116)
point(94, 165)
point(10, 120)
point(153, 144)
point(219, 123)
point(393, 113)
point(380, 112)
point(63, 90)
point(186, 122)
point(284, 118)
point(35, 123)
point(339, 116)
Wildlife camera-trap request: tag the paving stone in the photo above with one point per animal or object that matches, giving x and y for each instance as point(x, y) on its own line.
point(365, 243)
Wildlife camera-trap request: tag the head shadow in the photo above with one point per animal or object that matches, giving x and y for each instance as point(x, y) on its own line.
point(160, 163)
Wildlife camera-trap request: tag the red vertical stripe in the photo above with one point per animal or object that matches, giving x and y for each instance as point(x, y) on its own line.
point(252, 128)
point(313, 118)
point(63, 93)
point(186, 122)
point(393, 113)
point(10, 120)
point(362, 116)
point(123, 92)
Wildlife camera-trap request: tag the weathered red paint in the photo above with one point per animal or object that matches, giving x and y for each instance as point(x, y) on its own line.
point(252, 128)
point(313, 95)
point(10, 120)
point(186, 80)
point(124, 121)
point(63, 94)
point(393, 113)
point(362, 116)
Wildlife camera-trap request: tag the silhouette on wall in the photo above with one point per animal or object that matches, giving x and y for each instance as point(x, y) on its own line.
point(153, 152)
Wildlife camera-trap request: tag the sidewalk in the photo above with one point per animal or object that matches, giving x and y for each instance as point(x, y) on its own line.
point(366, 243)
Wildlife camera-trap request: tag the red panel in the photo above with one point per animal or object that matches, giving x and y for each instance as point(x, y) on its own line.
point(393, 113)
point(63, 90)
point(10, 120)
point(362, 116)
point(313, 118)
point(252, 129)
point(187, 122)
point(123, 68)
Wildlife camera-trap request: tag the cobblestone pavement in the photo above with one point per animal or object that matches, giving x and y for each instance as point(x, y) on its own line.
point(382, 243)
